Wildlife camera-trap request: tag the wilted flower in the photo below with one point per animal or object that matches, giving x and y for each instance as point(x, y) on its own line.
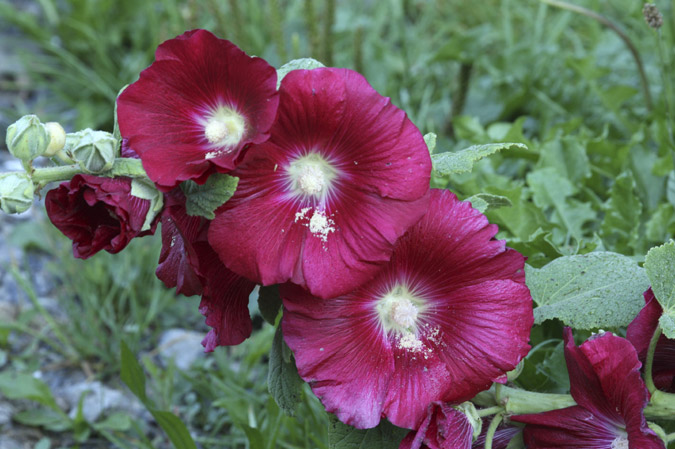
point(321, 204)
point(197, 108)
point(606, 384)
point(447, 316)
point(444, 427)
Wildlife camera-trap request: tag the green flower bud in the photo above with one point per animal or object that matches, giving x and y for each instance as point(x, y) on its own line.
point(57, 138)
point(94, 151)
point(27, 138)
point(16, 192)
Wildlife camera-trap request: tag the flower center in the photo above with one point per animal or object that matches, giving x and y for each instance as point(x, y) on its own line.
point(224, 127)
point(620, 442)
point(399, 310)
point(311, 175)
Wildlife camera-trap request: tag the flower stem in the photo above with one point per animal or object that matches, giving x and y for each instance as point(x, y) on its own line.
point(518, 402)
point(490, 411)
point(130, 167)
point(492, 428)
point(649, 363)
point(670, 438)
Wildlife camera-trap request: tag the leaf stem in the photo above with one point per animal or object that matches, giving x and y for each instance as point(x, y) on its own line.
point(619, 32)
point(490, 411)
point(649, 363)
point(492, 428)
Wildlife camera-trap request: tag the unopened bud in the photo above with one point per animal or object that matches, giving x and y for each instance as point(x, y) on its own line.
point(94, 151)
point(57, 138)
point(27, 138)
point(16, 192)
point(652, 15)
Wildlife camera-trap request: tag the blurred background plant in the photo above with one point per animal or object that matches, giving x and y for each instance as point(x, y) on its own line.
point(597, 175)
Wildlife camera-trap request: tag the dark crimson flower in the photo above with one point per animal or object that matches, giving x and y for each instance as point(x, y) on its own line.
point(606, 384)
point(188, 263)
point(501, 439)
point(322, 203)
point(444, 427)
point(197, 108)
point(97, 213)
point(640, 333)
point(447, 316)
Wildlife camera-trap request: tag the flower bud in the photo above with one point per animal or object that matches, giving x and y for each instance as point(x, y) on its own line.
point(472, 415)
point(57, 138)
point(94, 151)
point(16, 192)
point(652, 15)
point(27, 138)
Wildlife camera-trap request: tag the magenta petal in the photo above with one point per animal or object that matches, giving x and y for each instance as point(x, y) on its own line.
point(444, 427)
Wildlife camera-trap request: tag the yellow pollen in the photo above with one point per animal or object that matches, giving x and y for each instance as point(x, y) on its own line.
point(224, 128)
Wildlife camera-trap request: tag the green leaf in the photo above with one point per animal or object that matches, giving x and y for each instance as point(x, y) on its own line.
point(600, 289)
point(622, 214)
point(116, 126)
point(297, 64)
point(430, 140)
point(24, 386)
point(174, 428)
point(670, 188)
point(451, 163)
point(567, 156)
point(659, 265)
point(42, 417)
point(269, 303)
point(523, 218)
point(254, 436)
point(145, 189)
point(132, 373)
point(283, 381)
point(117, 421)
point(203, 200)
point(484, 201)
point(384, 436)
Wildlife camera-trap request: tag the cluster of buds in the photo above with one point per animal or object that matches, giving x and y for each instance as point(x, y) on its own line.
point(652, 15)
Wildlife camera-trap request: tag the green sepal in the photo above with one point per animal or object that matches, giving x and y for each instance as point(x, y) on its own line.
point(145, 189)
point(452, 163)
point(94, 151)
point(297, 64)
point(430, 140)
point(116, 127)
point(203, 200)
point(16, 192)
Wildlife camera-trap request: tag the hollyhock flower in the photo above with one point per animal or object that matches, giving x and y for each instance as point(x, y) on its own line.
point(444, 427)
point(197, 108)
point(447, 316)
point(97, 213)
point(606, 384)
point(322, 203)
point(501, 439)
point(188, 263)
point(640, 333)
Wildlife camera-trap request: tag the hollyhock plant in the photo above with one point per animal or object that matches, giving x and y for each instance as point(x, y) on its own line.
point(640, 333)
point(98, 213)
point(197, 108)
point(606, 384)
point(447, 316)
point(444, 427)
point(501, 438)
point(188, 263)
point(322, 203)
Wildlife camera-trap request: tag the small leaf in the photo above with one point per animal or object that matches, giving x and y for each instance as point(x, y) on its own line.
point(132, 373)
point(254, 436)
point(485, 201)
point(269, 303)
point(451, 163)
point(116, 421)
point(430, 140)
point(283, 381)
point(384, 436)
point(600, 289)
point(203, 200)
point(24, 386)
point(622, 214)
point(174, 429)
point(659, 265)
point(670, 188)
point(145, 189)
point(42, 417)
point(297, 64)
point(116, 126)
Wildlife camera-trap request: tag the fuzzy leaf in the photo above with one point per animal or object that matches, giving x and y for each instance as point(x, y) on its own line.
point(600, 289)
point(203, 200)
point(430, 140)
point(269, 303)
point(659, 265)
point(451, 163)
point(384, 436)
point(145, 189)
point(297, 64)
point(622, 214)
point(283, 381)
point(485, 201)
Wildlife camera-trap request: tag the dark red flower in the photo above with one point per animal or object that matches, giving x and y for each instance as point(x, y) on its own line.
point(322, 203)
point(188, 263)
point(197, 108)
point(97, 213)
point(447, 316)
point(640, 333)
point(444, 427)
point(606, 384)
point(501, 439)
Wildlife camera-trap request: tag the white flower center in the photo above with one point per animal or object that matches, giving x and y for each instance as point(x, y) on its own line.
point(224, 127)
point(620, 442)
point(311, 175)
point(403, 312)
point(398, 311)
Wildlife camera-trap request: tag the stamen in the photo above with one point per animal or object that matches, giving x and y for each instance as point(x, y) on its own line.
point(620, 442)
point(224, 127)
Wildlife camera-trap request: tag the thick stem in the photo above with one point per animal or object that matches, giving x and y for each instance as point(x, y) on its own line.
point(619, 32)
point(519, 402)
point(649, 363)
point(490, 411)
point(661, 406)
point(492, 428)
point(133, 168)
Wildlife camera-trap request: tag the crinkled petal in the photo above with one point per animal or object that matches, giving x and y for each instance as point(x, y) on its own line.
point(444, 427)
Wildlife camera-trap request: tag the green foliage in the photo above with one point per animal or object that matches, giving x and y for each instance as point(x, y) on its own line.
point(451, 163)
point(269, 303)
point(297, 64)
point(283, 381)
point(659, 265)
point(384, 436)
point(595, 290)
point(203, 200)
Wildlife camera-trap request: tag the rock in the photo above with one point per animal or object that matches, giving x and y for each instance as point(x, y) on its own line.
point(6, 413)
point(182, 346)
point(98, 399)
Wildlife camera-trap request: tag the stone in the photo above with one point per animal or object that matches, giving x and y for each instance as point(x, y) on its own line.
point(182, 346)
